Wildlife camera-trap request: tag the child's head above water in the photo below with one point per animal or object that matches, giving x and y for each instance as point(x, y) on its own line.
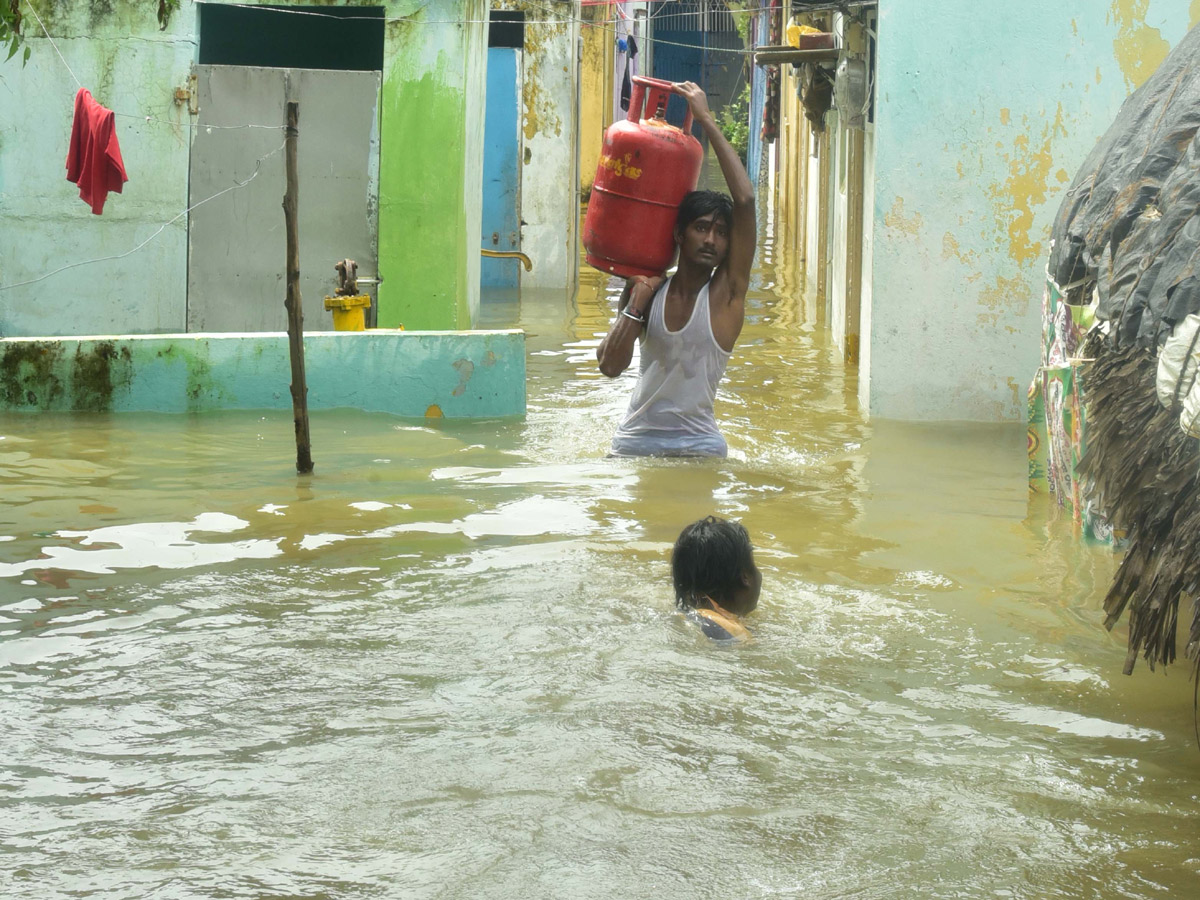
point(713, 561)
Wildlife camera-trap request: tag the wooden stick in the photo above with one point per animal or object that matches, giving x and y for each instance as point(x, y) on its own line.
point(304, 463)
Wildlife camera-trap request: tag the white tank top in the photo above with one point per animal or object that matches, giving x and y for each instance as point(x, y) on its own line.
point(671, 410)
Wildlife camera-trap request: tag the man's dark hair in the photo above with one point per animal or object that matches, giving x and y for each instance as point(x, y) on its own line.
point(701, 203)
point(708, 560)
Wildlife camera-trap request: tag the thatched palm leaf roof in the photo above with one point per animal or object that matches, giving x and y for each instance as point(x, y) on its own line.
point(1146, 474)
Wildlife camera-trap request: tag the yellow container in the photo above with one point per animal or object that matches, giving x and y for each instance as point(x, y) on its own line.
point(795, 31)
point(349, 313)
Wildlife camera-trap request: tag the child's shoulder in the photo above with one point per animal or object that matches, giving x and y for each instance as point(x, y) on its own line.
point(717, 625)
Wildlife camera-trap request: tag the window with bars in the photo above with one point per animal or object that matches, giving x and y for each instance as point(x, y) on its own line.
point(712, 16)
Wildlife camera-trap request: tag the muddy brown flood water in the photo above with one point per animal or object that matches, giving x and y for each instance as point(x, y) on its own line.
point(447, 665)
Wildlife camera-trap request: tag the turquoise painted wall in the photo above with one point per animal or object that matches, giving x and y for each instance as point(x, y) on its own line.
point(440, 374)
point(984, 111)
point(430, 168)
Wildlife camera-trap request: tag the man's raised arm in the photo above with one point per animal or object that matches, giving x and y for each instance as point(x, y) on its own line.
point(735, 272)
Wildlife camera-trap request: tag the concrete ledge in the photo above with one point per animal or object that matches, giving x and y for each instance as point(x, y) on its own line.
point(456, 374)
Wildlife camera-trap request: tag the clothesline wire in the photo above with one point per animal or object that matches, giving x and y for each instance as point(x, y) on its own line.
point(608, 26)
point(51, 40)
point(195, 124)
point(233, 187)
point(407, 20)
point(604, 25)
point(664, 11)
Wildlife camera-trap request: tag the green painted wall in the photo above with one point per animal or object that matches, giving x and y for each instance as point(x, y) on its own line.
point(430, 176)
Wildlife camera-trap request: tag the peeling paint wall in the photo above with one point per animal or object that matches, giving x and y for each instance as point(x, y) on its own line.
point(430, 179)
point(550, 139)
point(838, 209)
point(594, 112)
point(975, 141)
point(868, 273)
point(848, 149)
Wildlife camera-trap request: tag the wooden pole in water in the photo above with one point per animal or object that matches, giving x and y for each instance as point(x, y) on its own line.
point(295, 312)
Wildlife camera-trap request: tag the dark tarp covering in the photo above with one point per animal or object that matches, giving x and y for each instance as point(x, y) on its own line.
point(1129, 224)
point(1130, 228)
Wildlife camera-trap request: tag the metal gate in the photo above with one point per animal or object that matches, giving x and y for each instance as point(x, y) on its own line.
point(696, 40)
point(236, 241)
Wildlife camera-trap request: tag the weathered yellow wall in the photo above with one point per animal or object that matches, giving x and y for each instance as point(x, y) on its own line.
point(595, 92)
point(792, 154)
point(803, 155)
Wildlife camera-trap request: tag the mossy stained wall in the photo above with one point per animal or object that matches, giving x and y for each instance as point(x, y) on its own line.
point(446, 374)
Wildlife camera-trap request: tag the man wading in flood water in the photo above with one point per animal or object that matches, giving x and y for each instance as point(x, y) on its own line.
point(689, 322)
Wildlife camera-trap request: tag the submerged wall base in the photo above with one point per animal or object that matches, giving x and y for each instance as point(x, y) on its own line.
point(475, 374)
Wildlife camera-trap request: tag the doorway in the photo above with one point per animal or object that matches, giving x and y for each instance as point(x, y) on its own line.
point(501, 217)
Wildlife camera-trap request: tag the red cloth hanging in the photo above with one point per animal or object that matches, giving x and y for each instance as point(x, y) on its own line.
point(94, 156)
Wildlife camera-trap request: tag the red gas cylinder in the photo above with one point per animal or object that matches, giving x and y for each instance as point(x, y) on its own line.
point(646, 167)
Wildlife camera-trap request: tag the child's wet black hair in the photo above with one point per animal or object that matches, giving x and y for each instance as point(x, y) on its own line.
point(708, 561)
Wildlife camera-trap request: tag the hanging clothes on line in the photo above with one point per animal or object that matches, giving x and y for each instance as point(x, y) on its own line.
point(94, 155)
point(629, 48)
point(770, 125)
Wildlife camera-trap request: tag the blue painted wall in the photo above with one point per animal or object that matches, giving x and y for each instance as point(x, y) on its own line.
point(501, 168)
point(760, 29)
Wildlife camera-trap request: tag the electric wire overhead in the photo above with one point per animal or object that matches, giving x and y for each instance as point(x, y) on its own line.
point(604, 25)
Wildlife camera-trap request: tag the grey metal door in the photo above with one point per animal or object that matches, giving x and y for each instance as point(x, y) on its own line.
point(236, 241)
